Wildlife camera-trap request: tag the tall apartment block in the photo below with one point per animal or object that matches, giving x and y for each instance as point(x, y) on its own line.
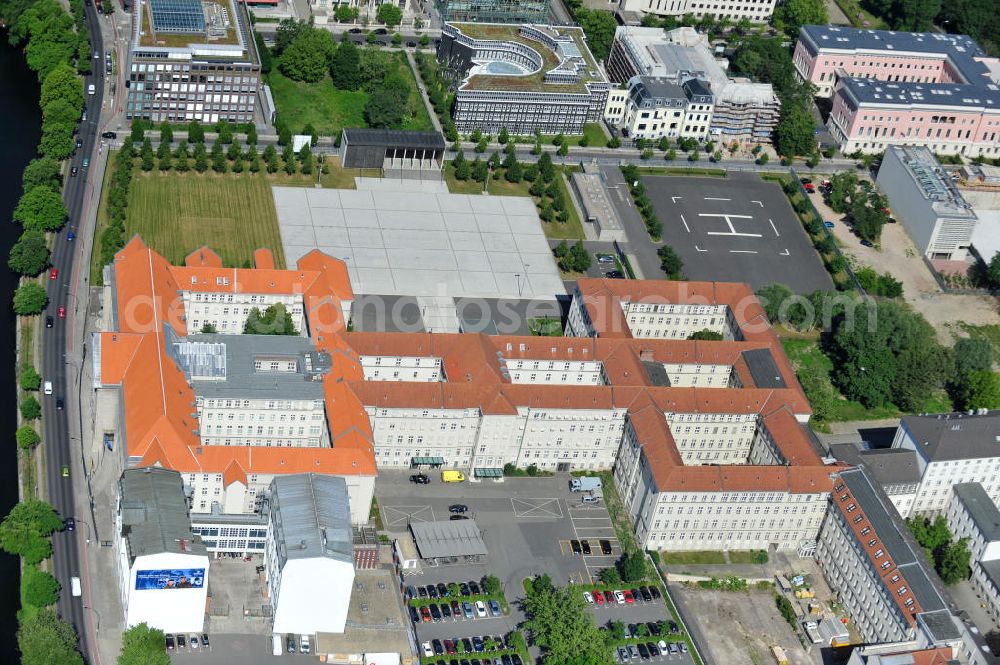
point(904, 88)
point(192, 60)
point(495, 11)
point(523, 78)
point(737, 108)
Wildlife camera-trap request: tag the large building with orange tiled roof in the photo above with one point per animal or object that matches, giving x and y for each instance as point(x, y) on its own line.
point(706, 438)
point(231, 412)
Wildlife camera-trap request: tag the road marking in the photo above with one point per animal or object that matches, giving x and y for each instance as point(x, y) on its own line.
point(403, 515)
point(729, 222)
point(742, 251)
point(784, 253)
point(774, 227)
point(760, 203)
point(675, 199)
point(685, 224)
point(714, 198)
point(699, 249)
point(549, 508)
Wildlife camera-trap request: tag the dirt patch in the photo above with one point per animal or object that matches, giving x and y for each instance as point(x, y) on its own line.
point(898, 256)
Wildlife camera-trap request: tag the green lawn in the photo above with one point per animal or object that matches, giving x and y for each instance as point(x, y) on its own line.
point(175, 213)
point(596, 138)
point(694, 557)
point(329, 110)
point(545, 327)
point(102, 222)
point(701, 172)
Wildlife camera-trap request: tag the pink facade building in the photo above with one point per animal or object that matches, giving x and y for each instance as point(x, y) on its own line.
point(903, 88)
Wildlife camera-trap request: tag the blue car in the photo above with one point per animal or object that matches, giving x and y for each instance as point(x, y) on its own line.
point(71, 235)
point(494, 608)
point(828, 224)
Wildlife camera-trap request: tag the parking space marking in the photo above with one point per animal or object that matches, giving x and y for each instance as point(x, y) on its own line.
point(403, 515)
point(686, 227)
point(549, 508)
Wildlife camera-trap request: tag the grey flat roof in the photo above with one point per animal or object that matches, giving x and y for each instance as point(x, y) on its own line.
point(386, 313)
point(894, 535)
point(656, 372)
point(992, 570)
point(888, 466)
point(981, 509)
point(312, 517)
point(953, 436)
point(437, 540)
point(763, 370)
point(155, 513)
point(410, 238)
point(394, 138)
point(662, 88)
point(504, 317)
point(237, 377)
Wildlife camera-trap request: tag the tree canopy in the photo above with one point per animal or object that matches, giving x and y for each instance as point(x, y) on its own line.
point(142, 645)
point(793, 14)
point(44, 639)
point(308, 56)
point(62, 82)
point(561, 625)
point(599, 27)
point(41, 208)
point(387, 103)
point(389, 14)
point(30, 299)
point(886, 353)
point(972, 354)
point(26, 529)
point(39, 588)
point(41, 171)
point(274, 321)
point(345, 68)
point(30, 254)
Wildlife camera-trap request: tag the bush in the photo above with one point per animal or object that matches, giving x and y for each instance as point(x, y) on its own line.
point(27, 437)
point(30, 299)
point(29, 378)
point(786, 610)
point(30, 408)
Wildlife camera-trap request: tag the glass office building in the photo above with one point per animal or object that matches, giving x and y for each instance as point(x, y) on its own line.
point(495, 11)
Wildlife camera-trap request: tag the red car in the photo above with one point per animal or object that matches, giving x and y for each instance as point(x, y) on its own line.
point(61, 312)
point(425, 613)
point(598, 597)
point(628, 597)
point(810, 188)
point(53, 273)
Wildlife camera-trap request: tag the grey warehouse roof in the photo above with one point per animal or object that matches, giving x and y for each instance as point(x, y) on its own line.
point(952, 436)
point(223, 366)
point(437, 540)
point(981, 509)
point(888, 466)
point(895, 537)
point(312, 517)
point(155, 513)
point(394, 138)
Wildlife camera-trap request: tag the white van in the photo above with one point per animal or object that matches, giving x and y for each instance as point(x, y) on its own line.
point(74, 585)
point(47, 387)
point(304, 646)
point(91, 89)
point(276, 648)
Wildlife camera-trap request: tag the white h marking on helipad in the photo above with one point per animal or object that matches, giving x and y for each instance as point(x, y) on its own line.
point(729, 222)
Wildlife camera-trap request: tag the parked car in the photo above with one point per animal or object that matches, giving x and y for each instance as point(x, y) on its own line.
point(414, 614)
point(438, 647)
point(655, 592)
point(428, 651)
point(467, 644)
point(445, 611)
point(477, 644)
point(456, 609)
point(449, 647)
point(109, 135)
point(614, 274)
point(467, 609)
point(633, 651)
point(619, 597)
point(605, 258)
point(474, 588)
point(181, 642)
point(623, 654)
point(204, 641)
point(480, 609)
point(494, 608)
point(662, 646)
point(629, 598)
point(194, 642)
point(170, 642)
point(609, 597)
point(605, 547)
point(432, 591)
point(420, 479)
point(653, 651)
point(598, 597)
point(867, 243)
point(458, 508)
point(643, 651)
point(646, 595)
point(442, 590)
point(828, 224)
point(585, 545)
point(464, 589)
point(425, 614)
point(422, 591)
point(587, 597)
point(653, 627)
point(683, 647)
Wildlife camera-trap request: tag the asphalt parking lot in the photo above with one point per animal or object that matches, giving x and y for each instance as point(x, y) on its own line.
point(228, 649)
point(737, 229)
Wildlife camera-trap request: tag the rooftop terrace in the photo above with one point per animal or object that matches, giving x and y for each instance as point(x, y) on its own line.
point(220, 20)
point(562, 49)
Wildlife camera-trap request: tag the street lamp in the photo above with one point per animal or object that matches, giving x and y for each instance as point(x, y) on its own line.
point(97, 614)
point(87, 524)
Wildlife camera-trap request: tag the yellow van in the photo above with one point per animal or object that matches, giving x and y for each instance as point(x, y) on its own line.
point(452, 476)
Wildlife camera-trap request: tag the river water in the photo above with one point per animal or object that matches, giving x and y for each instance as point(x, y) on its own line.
point(20, 126)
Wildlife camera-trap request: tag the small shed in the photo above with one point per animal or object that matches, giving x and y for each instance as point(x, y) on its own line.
point(445, 540)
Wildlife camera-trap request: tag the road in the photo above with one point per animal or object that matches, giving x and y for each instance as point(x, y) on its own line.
point(58, 450)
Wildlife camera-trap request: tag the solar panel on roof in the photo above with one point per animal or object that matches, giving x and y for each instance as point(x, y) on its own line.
point(177, 15)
